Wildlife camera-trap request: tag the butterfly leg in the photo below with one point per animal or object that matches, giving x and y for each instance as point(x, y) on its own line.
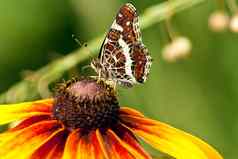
point(114, 85)
point(99, 75)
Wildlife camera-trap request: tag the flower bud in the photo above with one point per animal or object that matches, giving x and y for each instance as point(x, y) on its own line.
point(179, 48)
point(234, 23)
point(218, 21)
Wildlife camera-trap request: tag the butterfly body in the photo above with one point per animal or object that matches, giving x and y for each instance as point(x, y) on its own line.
point(123, 57)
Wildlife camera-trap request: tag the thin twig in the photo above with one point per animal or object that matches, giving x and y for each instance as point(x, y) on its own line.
point(232, 6)
point(28, 88)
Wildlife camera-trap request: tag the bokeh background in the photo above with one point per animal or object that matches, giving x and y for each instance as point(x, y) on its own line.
point(198, 95)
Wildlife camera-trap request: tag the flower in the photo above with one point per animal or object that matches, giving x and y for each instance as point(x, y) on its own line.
point(84, 121)
point(179, 48)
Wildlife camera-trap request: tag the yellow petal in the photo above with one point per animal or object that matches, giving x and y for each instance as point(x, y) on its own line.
point(98, 139)
point(12, 112)
point(71, 146)
point(85, 149)
point(170, 140)
point(99, 151)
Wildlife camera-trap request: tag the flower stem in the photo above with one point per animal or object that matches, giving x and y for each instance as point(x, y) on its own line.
point(28, 88)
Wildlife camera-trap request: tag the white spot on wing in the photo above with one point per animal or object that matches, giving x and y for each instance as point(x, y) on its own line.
point(116, 26)
point(128, 63)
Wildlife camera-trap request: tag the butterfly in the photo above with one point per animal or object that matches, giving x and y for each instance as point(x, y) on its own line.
point(123, 58)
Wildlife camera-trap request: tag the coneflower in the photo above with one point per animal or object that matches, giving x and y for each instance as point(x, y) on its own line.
point(85, 121)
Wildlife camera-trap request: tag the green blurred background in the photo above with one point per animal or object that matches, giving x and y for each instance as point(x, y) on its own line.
point(198, 95)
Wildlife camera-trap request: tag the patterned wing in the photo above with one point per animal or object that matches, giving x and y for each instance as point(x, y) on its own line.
point(128, 19)
point(123, 56)
point(115, 59)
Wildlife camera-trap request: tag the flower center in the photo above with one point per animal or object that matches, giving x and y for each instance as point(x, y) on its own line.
point(86, 104)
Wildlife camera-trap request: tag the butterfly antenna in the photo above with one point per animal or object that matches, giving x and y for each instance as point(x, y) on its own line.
point(85, 46)
point(76, 39)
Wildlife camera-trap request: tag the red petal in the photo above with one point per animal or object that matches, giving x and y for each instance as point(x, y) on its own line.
point(27, 140)
point(128, 137)
point(121, 149)
point(30, 121)
point(83, 146)
point(85, 149)
point(45, 105)
point(130, 111)
point(114, 147)
point(98, 141)
point(53, 148)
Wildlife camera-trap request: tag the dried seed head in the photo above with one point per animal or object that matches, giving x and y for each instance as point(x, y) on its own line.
point(86, 103)
point(179, 48)
point(218, 21)
point(234, 23)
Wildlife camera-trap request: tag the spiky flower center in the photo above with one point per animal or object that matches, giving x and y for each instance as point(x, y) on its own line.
point(86, 103)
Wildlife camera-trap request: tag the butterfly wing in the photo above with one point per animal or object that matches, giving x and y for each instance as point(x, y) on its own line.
point(132, 36)
point(116, 60)
point(123, 54)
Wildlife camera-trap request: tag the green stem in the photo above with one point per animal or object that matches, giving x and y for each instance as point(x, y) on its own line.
point(29, 88)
